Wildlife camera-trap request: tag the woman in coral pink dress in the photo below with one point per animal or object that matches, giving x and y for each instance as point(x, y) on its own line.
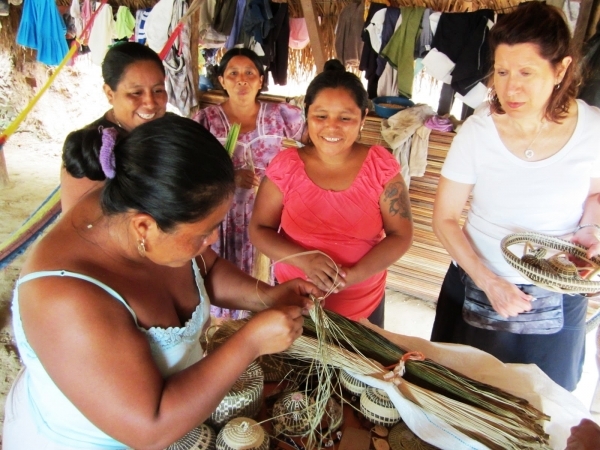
point(335, 195)
point(263, 126)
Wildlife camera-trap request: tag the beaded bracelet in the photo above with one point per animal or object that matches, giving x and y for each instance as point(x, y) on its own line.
point(587, 225)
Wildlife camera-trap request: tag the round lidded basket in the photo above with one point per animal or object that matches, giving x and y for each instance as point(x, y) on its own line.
point(200, 438)
point(291, 414)
point(351, 384)
point(544, 278)
point(402, 438)
point(243, 399)
point(377, 407)
point(242, 433)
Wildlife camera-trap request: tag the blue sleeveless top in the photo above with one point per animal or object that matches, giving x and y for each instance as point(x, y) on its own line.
point(173, 349)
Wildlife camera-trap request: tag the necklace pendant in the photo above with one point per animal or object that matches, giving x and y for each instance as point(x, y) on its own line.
point(529, 153)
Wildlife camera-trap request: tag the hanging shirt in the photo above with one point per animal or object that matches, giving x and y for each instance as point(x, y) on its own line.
point(102, 34)
point(125, 23)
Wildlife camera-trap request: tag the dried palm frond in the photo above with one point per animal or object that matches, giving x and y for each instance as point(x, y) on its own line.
point(431, 375)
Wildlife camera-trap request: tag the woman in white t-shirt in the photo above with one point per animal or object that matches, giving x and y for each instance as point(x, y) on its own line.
point(531, 163)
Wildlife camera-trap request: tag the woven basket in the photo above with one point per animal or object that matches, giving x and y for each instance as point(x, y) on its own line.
point(402, 438)
point(242, 433)
point(244, 398)
point(351, 384)
point(377, 407)
point(200, 438)
point(291, 414)
point(546, 279)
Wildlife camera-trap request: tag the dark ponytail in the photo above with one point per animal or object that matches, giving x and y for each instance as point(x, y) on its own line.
point(172, 169)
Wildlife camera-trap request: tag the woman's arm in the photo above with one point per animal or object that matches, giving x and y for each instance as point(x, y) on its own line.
point(588, 236)
point(264, 234)
point(229, 287)
point(92, 349)
point(394, 205)
point(450, 200)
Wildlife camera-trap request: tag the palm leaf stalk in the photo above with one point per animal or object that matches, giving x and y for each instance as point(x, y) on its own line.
point(232, 138)
point(494, 431)
point(430, 374)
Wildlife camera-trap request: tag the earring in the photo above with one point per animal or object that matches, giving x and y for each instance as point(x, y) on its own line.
point(557, 86)
point(141, 247)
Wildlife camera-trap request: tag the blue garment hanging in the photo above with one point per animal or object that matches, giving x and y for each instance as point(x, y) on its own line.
point(43, 29)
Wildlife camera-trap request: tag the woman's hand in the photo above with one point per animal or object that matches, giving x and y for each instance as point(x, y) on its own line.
point(246, 179)
point(293, 293)
point(322, 271)
point(585, 436)
point(506, 299)
point(274, 330)
point(588, 238)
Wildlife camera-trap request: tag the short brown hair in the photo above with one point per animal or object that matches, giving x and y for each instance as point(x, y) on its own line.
point(543, 25)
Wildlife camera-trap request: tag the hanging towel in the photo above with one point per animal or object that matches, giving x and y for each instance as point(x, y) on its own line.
point(140, 25)
point(348, 41)
point(125, 23)
point(101, 36)
point(157, 25)
point(75, 11)
point(299, 33)
point(401, 49)
point(43, 29)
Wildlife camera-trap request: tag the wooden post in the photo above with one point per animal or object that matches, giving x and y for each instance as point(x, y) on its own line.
point(583, 19)
point(312, 25)
point(3, 170)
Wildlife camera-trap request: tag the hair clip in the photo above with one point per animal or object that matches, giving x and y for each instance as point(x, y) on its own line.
point(107, 153)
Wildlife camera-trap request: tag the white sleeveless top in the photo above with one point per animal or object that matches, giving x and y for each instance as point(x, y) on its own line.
point(173, 349)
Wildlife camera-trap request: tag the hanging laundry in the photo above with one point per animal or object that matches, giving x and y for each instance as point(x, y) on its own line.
point(178, 64)
point(425, 36)
point(257, 23)
point(86, 16)
point(157, 25)
point(4, 8)
point(102, 34)
point(390, 24)
point(348, 42)
point(75, 12)
point(125, 24)
point(400, 50)
point(375, 27)
point(461, 40)
point(208, 37)
point(140, 25)
point(224, 16)
point(233, 38)
point(276, 44)
point(368, 57)
point(43, 29)
point(299, 38)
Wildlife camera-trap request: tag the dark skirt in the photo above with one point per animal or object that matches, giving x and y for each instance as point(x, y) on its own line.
point(559, 355)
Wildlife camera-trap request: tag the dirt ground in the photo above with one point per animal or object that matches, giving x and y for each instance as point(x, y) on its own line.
point(33, 159)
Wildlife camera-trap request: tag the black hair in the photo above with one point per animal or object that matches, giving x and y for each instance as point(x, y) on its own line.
point(120, 56)
point(252, 56)
point(335, 76)
point(171, 168)
point(82, 148)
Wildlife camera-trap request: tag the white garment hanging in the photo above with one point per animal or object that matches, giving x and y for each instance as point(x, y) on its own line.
point(102, 34)
point(157, 25)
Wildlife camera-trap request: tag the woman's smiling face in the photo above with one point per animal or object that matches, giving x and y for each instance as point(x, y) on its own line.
point(334, 120)
point(140, 95)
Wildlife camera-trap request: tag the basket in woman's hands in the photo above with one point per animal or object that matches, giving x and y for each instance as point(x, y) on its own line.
point(553, 263)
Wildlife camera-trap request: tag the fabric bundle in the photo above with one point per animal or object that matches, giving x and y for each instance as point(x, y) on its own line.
point(43, 29)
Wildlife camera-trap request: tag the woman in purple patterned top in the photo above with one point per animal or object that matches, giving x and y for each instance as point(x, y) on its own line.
point(263, 126)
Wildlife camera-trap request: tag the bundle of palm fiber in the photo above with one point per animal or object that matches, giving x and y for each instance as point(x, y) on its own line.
point(464, 408)
point(480, 411)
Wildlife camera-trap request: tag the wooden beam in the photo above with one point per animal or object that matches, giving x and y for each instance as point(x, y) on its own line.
point(583, 20)
point(3, 170)
point(312, 25)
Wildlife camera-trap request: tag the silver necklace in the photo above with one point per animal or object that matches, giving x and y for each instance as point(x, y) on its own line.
point(529, 153)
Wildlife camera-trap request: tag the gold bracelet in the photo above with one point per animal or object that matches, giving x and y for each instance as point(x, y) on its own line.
point(587, 225)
